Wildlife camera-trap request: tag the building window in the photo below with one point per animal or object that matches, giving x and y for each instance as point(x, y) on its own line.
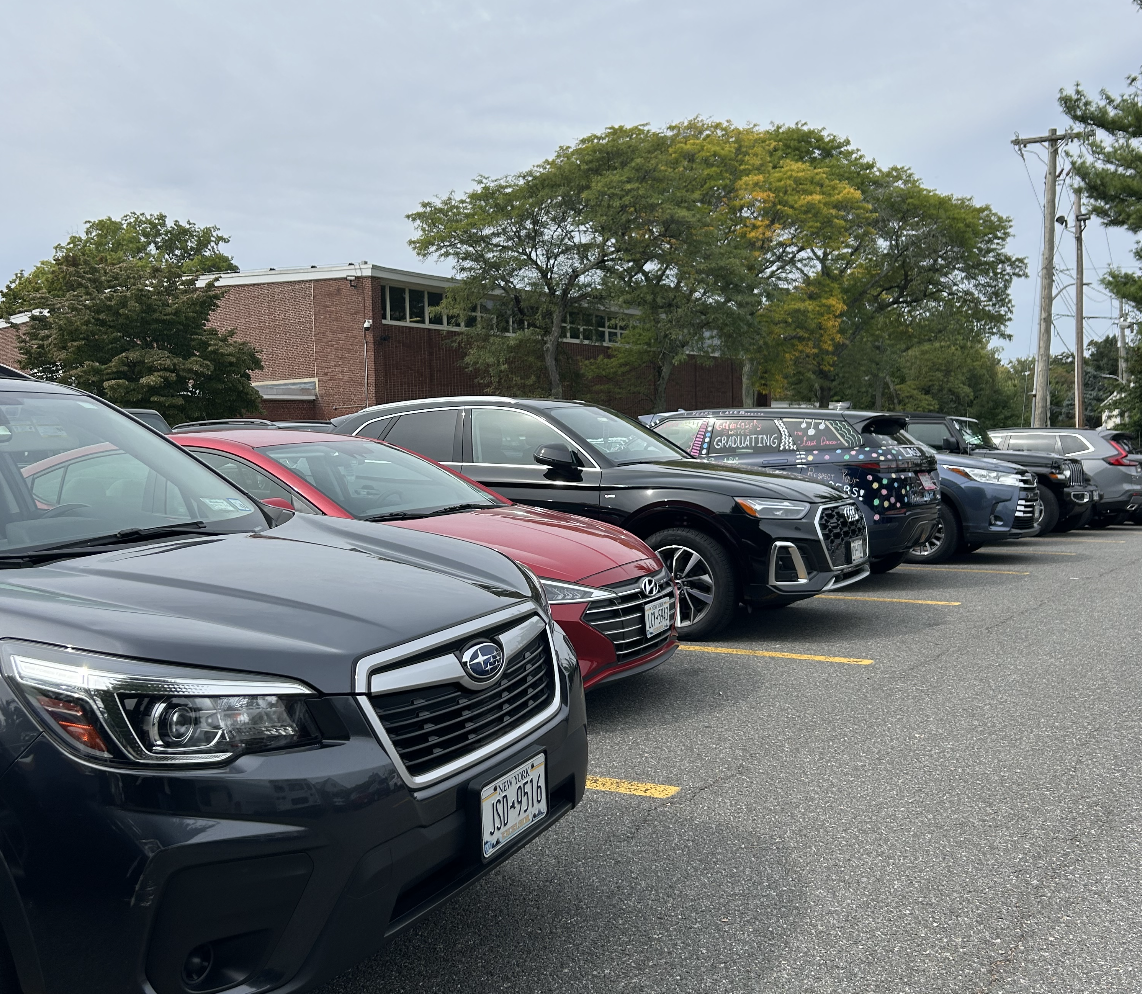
point(415, 306)
point(397, 309)
point(435, 300)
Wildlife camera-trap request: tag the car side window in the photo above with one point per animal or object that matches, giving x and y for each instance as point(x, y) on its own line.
point(1072, 445)
point(431, 433)
point(819, 433)
point(509, 438)
point(374, 429)
point(1032, 442)
point(254, 481)
point(683, 432)
point(931, 433)
point(746, 436)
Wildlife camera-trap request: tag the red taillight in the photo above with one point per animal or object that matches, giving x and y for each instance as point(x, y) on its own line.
point(1120, 459)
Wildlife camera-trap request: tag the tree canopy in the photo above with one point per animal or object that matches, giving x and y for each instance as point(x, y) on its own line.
point(118, 311)
point(783, 247)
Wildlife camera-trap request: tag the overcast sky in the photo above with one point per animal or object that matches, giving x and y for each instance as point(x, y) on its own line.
point(308, 131)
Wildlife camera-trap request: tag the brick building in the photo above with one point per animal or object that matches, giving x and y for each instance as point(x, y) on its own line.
point(320, 359)
point(334, 339)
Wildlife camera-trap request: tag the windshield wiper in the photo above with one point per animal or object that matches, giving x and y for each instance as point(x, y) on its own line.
point(409, 515)
point(102, 543)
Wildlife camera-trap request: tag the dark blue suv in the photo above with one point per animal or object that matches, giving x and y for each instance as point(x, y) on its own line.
point(895, 484)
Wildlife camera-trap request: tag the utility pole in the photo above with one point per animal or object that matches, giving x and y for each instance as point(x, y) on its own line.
point(1121, 342)
point(1080, 223)
point(1041, 405)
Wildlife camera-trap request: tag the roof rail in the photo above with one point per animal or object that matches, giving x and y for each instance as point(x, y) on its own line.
point(224, 423)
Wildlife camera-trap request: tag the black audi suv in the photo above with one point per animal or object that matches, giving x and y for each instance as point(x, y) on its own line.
point(727, 533)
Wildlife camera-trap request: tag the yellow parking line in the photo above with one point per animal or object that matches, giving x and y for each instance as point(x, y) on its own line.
point(1035, 552)
point(1103, 541)
point(631, 787)
point(775, 655)
point(968, 569)
point(891, 600)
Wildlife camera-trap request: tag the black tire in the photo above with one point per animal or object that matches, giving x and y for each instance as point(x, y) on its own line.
point(1075, 521)
point(9, 982)
point(701, 567)
point(1050, 510)
point(942, 544)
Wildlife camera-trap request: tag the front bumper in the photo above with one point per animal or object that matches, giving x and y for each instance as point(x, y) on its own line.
point(597, 658)
point(291, 867)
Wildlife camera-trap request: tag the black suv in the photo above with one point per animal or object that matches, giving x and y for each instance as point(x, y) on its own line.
point(1068, 495)
point(896, 485)
point(727, 533)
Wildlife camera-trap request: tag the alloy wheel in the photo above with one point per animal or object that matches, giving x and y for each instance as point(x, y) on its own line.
point(695, 582)
point(931, 545)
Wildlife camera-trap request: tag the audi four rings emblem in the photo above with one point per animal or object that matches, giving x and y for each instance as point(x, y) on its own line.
point(851, 512)
point(650, 586)
point(482, 661)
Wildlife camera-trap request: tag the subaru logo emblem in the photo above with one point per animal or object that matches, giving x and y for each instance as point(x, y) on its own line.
point(482, 661)
point(650, 586)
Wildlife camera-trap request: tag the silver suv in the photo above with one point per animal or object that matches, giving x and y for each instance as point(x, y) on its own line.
point(1108, 464)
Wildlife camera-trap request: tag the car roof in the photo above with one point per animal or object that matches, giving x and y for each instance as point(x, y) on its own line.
point(400, 406)
point(255, 438)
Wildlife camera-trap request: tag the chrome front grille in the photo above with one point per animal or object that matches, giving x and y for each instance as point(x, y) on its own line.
point(1078, 476)
point(1026, 508)
point(432, 726)
point(622, 618)
point(837, 526)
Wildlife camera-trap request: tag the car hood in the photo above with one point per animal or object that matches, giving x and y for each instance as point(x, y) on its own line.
point(554, 545)
point(1032, 460)
point(733, 481)
point(944, 460)
point(304, 600)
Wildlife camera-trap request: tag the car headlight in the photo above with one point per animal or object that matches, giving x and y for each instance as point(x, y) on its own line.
point(987, 475)
point(559, 592)
point(128, 712)
point(790, 510)
point(1060, 473)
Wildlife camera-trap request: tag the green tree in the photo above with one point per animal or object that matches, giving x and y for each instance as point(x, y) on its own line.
point(141, 238)
point(136, 332)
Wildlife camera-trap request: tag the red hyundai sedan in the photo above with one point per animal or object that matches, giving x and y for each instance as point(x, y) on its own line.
point(607, 589)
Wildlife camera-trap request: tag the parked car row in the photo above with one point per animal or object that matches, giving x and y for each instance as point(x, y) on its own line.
point(336, 670)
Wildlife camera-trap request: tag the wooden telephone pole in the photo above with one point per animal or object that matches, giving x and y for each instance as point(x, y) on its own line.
point(1080, 223)
point(1041, 404)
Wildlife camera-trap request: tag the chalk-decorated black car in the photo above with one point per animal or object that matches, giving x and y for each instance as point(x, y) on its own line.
point(896, 486)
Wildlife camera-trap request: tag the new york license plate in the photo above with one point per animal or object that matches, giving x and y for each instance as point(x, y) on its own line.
point(512, 804)
point(858, 549)
point(659, 615)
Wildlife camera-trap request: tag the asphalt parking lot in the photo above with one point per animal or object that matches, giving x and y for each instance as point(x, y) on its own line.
point(962, 813)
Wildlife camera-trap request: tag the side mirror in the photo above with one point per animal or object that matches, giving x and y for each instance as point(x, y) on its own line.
point(557, 456)
point(281, 502)
point(950, 444)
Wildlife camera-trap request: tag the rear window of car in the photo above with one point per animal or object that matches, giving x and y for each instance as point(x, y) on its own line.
point(1072, 445)
point(745, 436)
point(821, 433)
point(683, 433)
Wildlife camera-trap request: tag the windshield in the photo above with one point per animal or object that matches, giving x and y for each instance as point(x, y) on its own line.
point(370, 479)
point(619, 439)
point(73, 469)
point(974, 435)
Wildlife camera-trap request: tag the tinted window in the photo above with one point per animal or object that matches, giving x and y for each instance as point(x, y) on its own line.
point(931, 433)
point(683, 433)
point(618, 438)
point(1031, 442)
point(376, 429)
point(431, 433)
point(821, 433)
point(373, 480)
point(745, 436)
point(254, 481)
point(1071, 445)
point(509, 437)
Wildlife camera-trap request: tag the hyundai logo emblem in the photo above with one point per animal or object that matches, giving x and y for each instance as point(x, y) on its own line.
point(650, 586)
point(482, 661)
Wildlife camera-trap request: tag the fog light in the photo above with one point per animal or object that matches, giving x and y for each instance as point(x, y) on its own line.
point(197, 964)
point(996, 520)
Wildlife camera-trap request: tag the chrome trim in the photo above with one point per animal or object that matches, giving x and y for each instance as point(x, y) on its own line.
point(1080, 497)
point(798, 564)
point(486, 750)
point(375, 661)
point(835, 583)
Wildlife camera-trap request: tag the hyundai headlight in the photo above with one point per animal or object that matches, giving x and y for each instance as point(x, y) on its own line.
point(559, 592)
point(128, 712)
point(790, 510)
point(987, 475)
